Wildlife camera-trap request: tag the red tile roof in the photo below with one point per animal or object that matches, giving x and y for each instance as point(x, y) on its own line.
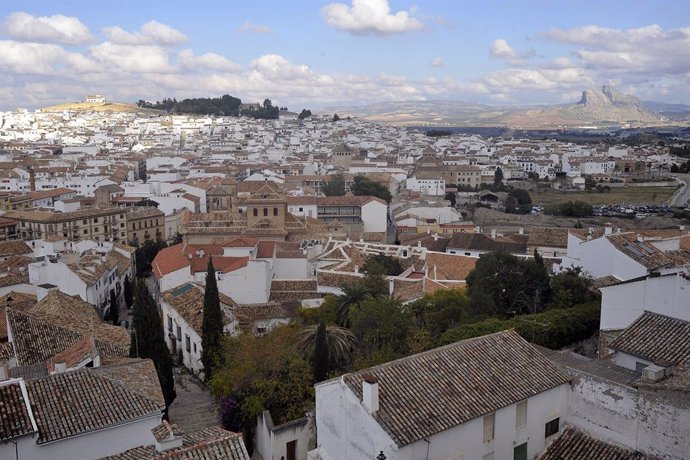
point(176, 257)
point(266, 249)
point(240, 242)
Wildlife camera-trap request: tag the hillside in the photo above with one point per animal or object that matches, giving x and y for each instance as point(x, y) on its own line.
point(97, 107)
point(601, 107)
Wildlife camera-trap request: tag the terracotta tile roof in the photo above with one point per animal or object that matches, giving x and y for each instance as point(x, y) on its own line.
point(166, 431)
point(550, 237)
point(266, 249)
point(212, 443)
point(37, 341)
point(84, 400)
point(143, 212)
point(17, 301)
point(449, 266)
point(188, 301)
point(240, 242)
point(479, 242)
point(658, 338)
point(645, 253)
point(13, 248)
point(169, 260)
point(575, 444)
point(75, 354)
point(15, 420)
point(220, 263)
point(138, 375)
point(430, 392)
point(349, 200)
point(601, 368)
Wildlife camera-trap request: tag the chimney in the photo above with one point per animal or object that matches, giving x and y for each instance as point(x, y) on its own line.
point(60, 367)
point(493, 233)
point(4, 371)
point(32, 179)
point(608, 228)
point(521, 231)
point(370, 393)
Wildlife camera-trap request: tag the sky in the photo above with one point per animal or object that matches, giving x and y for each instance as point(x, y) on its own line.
point(310, 54)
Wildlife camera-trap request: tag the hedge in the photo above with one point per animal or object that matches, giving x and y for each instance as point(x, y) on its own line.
point(553, 329)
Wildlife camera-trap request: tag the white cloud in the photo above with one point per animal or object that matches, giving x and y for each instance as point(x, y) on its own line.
point(254, 28)
point(40, 58)
point(511, 79)
point(210, 61)
point(369, 17)
point(132, 58)
point(437, 62)
point(501, 49)
point(48, 29)
point(644, 50)
point(151, 33)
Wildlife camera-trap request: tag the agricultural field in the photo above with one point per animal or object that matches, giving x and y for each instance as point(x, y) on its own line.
point(618, 195)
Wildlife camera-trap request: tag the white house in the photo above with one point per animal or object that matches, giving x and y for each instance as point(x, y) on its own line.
point(91, 274)
point(435, 187)
point(666, 294)
point(79, 414)
point(624, 256)
point(446, 403)
point(182, 310)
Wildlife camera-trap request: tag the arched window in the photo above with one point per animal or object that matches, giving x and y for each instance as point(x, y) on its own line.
point(275, 211)
point(265, 212)
point(256, 212)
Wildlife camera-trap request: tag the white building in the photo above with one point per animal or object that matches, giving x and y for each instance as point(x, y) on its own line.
point(446, 403)
point(435, 187)
point(79, 414)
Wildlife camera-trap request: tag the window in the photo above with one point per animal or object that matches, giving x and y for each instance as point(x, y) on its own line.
point(179, 334)
point(489, 427)
point(256, 212)
point(265, 212)
point(95, 220)
point(170, 324)
point(551, 427)
point(195, 348)
point(187, 343)
point(521, 415)
point(86, 232)
point(84, 222)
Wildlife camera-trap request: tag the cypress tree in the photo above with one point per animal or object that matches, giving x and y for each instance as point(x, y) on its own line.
point(212, 325)
point(319, 359)
point(129, 294)
point(148, 339)
point(114, 308)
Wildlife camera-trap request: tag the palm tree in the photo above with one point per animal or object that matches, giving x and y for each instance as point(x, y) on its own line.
point(353, 294)
point(340, 343)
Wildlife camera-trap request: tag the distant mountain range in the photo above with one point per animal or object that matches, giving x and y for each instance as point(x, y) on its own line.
point(599, 107)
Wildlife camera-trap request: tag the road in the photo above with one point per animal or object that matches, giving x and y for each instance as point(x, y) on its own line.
point(680, 199)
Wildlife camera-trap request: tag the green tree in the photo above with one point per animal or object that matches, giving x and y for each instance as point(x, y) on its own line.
point(381, 329)
point(363, 186)
point(498, 177)
point(114, 308)
point(437, 312)
point(502, 284)
point(265, 373)
point(129, 293)
point(319, 356)
point(335, 186)
point(212, 324)
point(327, 347)
point(336, 117)
point(450, 196)
point(304, 114)
point(381, 263)
point(353, 295)
point(571, 287)
point(675, 168)
point(148, 341)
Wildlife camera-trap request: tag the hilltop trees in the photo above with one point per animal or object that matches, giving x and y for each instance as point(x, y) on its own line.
point(304, 114)
point(212, 325)
point(148, 340)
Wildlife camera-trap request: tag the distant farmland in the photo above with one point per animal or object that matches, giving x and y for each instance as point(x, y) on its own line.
point(618, 195)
